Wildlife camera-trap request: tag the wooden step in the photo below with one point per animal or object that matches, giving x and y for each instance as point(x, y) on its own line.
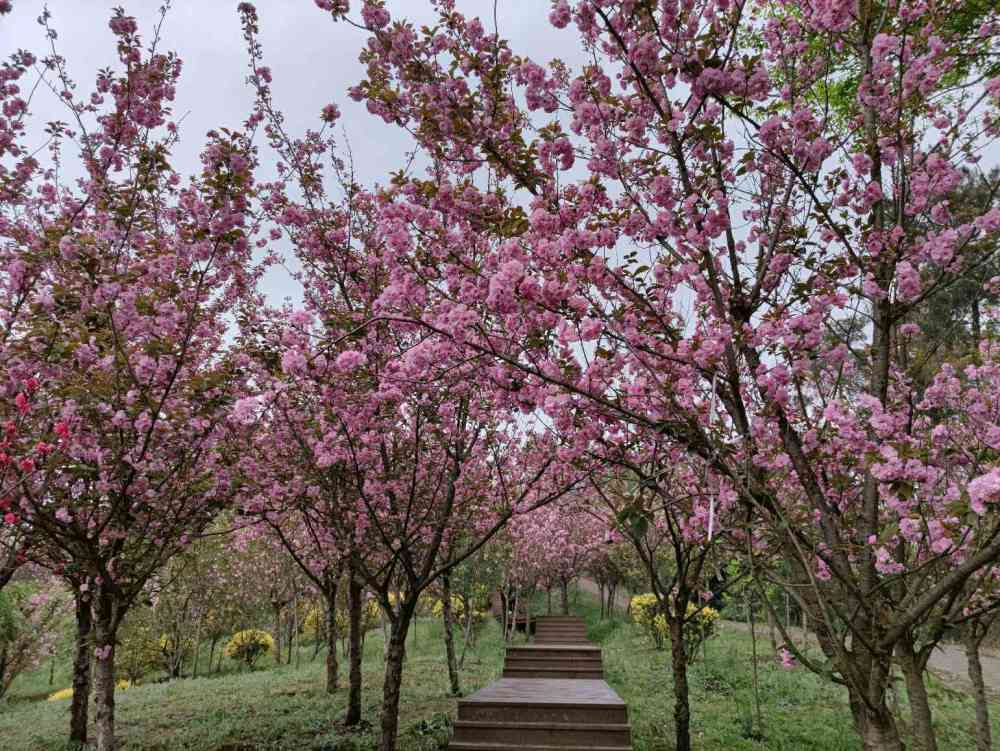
point(558, 734)
point(543, 714)
point(557, 672)
point(507, 746)
point(579, 712)
point(561, 630)
point(561, 639)
point(575, 651)
point(528, 662)
point(559, 619)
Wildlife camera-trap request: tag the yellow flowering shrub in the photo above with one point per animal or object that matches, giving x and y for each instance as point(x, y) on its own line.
point(457, 610)
point(700, 624)
point(247, 646)
point(313, 624)
point(457, 607)
point(67, 693)
point(645, 612)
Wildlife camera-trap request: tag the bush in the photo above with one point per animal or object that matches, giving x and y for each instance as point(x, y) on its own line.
point(138, 651)
point(646, 613)
point(173, 652)
point(699, 624)
point(248, 646)
point(314, 624)
point(67, 693)
point(457, 610)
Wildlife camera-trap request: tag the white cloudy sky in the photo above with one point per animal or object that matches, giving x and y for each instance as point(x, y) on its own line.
point(313, 60)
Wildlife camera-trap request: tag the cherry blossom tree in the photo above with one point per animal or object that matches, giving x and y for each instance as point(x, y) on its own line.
point(126, 280)
point(734, 203)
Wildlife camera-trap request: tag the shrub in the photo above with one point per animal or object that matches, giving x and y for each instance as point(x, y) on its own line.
point(138, 651)
point(699, 625)
point(63, 693)
point(173, 651)
point(645, 612)
point(247, 646)
point(67, 693)
point(314, 623)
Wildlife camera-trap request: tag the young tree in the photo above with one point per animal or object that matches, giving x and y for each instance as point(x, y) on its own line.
point(125, 330)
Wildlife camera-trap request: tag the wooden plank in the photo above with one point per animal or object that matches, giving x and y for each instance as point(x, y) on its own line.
point(547, 691)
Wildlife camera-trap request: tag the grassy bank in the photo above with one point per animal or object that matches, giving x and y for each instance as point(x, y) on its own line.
point(798, 711)
point(278, 708)
point(269, 709)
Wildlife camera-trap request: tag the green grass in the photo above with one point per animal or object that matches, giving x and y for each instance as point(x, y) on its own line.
point(266, 709)
point(799, 711)
point(278, 708)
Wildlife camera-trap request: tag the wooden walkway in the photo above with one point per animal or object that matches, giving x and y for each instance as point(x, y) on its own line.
point(552, 697)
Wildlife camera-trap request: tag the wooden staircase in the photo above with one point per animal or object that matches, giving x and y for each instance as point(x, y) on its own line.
point(552, 697)
point(553, 660)
point(561, 629)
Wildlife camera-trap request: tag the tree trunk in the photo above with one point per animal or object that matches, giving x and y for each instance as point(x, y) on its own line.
point(920, 707)
point(354, 605)
point(395, 656)
point(984, 739)
point(771, 631)
point(877, 728)
point(332, 668)
point(467, 634)
point(548, 593)
point(197, 649)
point(682, 708)
point(104, 671)
point(513, 624)
point(564, 592)
point(449, 638)
point(211, 653)
point(4, 684)
point(277, 634)
point(82, 655)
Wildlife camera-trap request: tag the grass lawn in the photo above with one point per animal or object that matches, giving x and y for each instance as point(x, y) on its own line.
point(270, 709)
point(286, 708)
point(799, 711)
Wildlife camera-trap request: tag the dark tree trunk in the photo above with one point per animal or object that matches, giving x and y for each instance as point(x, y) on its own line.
point(395, 657)
point(564, 592)
point(211, 653)
point(877, 727)
point(984, 738)
point(771, 632)
point(82, 655)
point(920, 706)
point(354, 605)
point(332, 668)
point(682, 708)
point(3, 672)
point(105, 626)
point(278, 644)
point(548, 593)
point(449, 638)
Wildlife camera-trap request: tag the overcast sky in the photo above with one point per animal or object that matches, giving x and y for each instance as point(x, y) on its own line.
point(313, 59)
